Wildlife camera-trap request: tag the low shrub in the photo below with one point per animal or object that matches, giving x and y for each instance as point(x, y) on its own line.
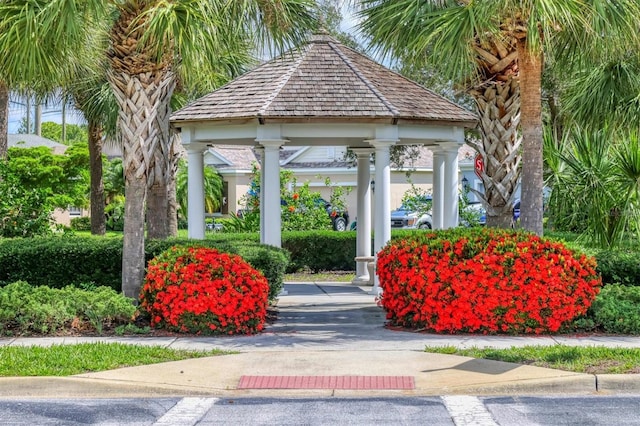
point(320, 250)
point(617, 309)
point(621, 267)
point(486, 280)
point(25, 309)
point(81, 223)
point(204, 291)
point(73, 260)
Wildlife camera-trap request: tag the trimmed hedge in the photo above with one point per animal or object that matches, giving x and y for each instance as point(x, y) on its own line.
point(70, 260)
point(320, 250)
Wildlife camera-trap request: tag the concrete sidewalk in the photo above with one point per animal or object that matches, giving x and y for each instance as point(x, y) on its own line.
point(327, 329)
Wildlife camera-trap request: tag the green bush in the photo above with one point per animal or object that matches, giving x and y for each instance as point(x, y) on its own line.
point(321, 250)
point(81, 223)
point(620, 267)
point(617, 309)
point(73, 260)
point(25, 309)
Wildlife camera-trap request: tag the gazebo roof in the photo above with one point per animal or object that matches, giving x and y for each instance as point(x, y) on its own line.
point(323, 81)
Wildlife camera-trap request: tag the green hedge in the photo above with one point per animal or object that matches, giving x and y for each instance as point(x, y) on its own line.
point(617, 309)
point(71, 260)
point(621, 267)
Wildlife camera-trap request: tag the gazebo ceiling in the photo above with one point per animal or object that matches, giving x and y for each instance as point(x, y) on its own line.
point(324, 81)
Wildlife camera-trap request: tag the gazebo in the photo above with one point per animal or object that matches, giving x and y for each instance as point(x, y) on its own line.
point(325, 93)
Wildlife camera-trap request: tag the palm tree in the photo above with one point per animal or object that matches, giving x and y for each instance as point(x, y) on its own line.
point(35, 46)
point(462, 34)
point(150, 41)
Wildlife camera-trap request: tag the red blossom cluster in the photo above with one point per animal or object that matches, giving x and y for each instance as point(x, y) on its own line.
point(200, 290)
point(484, 280)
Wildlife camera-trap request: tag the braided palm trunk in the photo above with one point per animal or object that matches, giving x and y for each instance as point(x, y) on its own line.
point(498, 102)
point(142, 99)
point(499, 112)
point(161, 175)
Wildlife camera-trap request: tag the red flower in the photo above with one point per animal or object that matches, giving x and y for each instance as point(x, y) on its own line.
point(201, 290)
point(485, 280)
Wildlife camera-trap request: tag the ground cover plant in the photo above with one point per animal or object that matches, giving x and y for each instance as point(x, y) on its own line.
point(484, 280)
point(589, 359)
point(67, 360)
point(203, 291)
point(28, 310)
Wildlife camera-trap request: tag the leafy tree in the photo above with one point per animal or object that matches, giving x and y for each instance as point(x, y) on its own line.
point(63, 179)
point(75, 133)
point(24, 212)
point(500, 47)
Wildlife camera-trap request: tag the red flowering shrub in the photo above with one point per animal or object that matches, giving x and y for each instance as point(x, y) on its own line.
point(484, 280)
point(200, 290)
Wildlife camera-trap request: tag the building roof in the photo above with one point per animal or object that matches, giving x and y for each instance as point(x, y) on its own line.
point(27, 140)
point(324, 80)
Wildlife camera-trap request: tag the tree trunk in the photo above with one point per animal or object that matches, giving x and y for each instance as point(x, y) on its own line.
point(531, 118)
point(159, 179)
point(98, 221)
point(4, 120)
point(499, 112)
point(157, 208)
point(172, 211)
point(142, 98)
point(133, 261)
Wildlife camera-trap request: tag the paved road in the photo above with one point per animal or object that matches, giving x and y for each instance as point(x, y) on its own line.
point(445, 410)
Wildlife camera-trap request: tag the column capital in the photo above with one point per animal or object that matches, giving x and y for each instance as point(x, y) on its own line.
point(362, 152)
point(272, 143)
point(382, 143)
point(449, 146)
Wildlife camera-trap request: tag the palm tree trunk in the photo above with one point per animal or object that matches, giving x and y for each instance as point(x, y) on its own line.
point(161, 176)
point(172, 211)
point(98, 222)
point(140, 97)
point(499, 111)
point(531, 120)
point(4, 120)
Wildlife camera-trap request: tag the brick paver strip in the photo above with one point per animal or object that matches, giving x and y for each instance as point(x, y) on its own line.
point(326, 382)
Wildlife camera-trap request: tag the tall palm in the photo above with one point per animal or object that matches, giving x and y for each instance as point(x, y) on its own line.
point(151, 42)
point(35, 46)
point(451, 32)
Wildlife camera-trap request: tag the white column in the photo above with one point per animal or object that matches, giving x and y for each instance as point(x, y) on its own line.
point(437, 196)
point(363, 231)
point(260, 151)
point(270, 193)
point(451, 186)
point(195, 193)
point(382, 233)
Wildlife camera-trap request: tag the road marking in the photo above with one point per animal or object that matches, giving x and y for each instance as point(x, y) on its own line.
point(188, 411)
point(468, 411)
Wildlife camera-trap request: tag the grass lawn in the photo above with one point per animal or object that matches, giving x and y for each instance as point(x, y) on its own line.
point(67, 360)
point(590, 359)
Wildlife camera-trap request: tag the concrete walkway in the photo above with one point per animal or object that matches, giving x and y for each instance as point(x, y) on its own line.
point(326, 329)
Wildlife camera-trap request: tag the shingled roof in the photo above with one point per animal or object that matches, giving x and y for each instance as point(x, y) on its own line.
point(323, 81)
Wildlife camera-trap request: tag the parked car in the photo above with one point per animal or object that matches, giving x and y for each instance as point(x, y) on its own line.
point(339, 217)
point(409, 216)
